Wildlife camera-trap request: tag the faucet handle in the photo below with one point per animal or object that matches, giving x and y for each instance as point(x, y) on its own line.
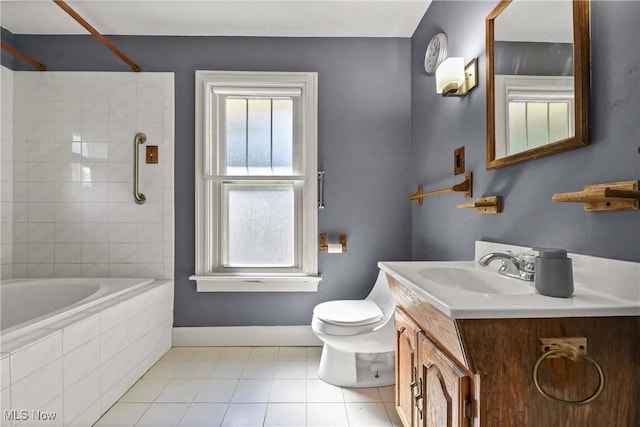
point(527, 261)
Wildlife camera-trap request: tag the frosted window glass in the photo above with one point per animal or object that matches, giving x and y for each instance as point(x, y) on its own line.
point(236, 136)
point(283, 136)
point(260, 221)
point(558, 121)
point(517, 127)
point(259, 135)
point(537, 124)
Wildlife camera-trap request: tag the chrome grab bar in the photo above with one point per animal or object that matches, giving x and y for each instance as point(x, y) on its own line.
point(140, 138)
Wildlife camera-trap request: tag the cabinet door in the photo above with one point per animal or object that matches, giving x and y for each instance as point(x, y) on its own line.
point(406, 371)
point(444, 388)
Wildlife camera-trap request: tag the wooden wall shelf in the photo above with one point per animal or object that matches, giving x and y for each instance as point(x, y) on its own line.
point(611, 196)
point(484, 205)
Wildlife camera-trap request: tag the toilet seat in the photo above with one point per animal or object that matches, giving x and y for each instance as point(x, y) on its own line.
point(349, 312)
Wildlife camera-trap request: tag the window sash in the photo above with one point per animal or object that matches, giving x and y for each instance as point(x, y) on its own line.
point(209, 214)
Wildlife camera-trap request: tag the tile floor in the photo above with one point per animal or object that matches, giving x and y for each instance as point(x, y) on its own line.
point(246, 386)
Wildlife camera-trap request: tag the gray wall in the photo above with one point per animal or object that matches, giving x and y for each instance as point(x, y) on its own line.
point(6, 58)
point(364, 146)
point(442, 232)
point(534, 59)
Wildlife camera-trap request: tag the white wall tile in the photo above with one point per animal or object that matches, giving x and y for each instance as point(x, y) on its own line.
point(67, 232)
point(95, 270)
point(78, 363)
point(95, 232)
point(114, 315)
point(40, 212)
point(68, 212)
point(81, 395)
point(50, 414)
point(88, 417)
point(5, 405)
point(41, 171)
point(95, 212)
point(123, 232)
point(32, 352)
point(113, 370)
point(40, 253)
point(95, 252)
point(38, 388)
point(39, 270)
point(95, 192)
point(70, 165)
point(5, 370)
point(40, 232)
point(67, 270)
point(122, 270)
point(67, 253)
point(113, 341)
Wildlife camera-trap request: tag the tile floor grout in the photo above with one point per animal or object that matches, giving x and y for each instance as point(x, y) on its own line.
point(251, 387)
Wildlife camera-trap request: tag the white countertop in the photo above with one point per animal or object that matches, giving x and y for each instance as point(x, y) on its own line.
point(603, 287)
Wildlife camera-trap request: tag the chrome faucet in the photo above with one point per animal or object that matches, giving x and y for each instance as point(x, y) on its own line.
point(521, 267)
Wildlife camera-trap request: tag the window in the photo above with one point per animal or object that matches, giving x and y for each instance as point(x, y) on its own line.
point(256, 175)
point(538, 110)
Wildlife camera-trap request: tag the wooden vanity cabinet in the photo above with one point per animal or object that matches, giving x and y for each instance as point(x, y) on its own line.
point(431, 389)
point(478, 372)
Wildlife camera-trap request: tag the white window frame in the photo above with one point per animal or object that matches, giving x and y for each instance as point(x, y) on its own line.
point(210, 274)
point(530, 87)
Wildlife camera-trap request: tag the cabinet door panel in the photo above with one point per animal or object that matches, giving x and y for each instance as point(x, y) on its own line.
point(406, 372)
point(444, 388)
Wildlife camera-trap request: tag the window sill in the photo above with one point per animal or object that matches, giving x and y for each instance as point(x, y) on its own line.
point(256, 283)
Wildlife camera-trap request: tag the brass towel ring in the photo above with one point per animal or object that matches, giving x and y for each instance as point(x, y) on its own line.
point(566, 353)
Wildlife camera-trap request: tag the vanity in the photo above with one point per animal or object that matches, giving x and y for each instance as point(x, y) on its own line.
point(477, 349)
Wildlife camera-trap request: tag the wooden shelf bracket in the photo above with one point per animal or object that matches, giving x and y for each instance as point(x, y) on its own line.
point(612, 196)
point(465, 186)
point(484, 205)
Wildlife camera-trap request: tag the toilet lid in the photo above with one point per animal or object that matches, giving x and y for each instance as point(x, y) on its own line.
point(349, 312)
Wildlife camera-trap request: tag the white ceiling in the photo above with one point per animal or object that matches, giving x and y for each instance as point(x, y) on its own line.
point(536, 21)
point(291, 18)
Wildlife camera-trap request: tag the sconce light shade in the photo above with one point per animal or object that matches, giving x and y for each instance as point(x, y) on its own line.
point(450, 75)
point(453, 78)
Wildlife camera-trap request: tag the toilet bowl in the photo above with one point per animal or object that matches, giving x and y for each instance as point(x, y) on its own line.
point(359, 339)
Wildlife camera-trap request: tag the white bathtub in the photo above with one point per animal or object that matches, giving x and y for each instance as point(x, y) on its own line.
point(28, 304)
point(74, 346)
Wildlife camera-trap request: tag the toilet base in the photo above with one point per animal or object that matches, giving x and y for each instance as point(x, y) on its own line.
point(345, 369)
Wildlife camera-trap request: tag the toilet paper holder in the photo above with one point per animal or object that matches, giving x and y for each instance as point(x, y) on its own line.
point(334, 247)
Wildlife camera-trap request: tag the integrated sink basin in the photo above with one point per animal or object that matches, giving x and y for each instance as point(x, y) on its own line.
point(467, 290)
point(476, 280)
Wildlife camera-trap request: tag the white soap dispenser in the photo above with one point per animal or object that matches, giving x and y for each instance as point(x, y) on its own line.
point(554, 273)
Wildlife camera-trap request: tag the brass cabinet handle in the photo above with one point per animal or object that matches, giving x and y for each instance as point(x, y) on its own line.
point(413, 383)
point(567, 354)
point(418, 397)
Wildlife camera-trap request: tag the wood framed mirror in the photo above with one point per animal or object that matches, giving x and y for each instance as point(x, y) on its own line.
point(537, 79)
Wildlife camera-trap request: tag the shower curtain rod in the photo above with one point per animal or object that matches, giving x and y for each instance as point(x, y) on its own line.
point(22, 56)
point(96, 34)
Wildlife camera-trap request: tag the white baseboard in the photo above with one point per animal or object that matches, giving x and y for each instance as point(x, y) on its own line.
point(222, 336)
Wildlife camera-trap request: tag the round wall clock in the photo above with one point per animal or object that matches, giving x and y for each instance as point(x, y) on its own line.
point(436, 53)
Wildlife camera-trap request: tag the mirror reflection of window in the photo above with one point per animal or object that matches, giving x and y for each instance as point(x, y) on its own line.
point(533, 75)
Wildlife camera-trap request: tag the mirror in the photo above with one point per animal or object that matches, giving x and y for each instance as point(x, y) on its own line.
point(537, 79)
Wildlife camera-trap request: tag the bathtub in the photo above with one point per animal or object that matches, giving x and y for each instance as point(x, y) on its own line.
point(73, 347)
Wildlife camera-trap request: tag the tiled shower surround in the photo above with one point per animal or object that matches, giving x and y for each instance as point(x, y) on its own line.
point(74, 212)
point(6, 175)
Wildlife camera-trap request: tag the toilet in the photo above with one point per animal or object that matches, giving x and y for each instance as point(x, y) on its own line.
point(359, 339)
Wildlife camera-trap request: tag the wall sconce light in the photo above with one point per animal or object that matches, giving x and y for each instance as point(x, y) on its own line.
point(453, 78)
